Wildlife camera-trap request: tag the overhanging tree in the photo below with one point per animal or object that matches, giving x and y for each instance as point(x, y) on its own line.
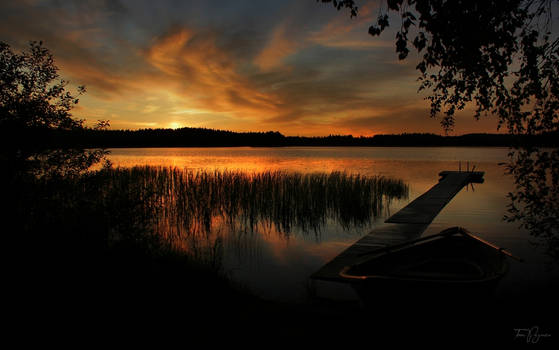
point(33, 103)
point(502, 57)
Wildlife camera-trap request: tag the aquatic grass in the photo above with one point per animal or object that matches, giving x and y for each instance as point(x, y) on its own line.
point(131, 233)
point(190, 201)
point(158, 209)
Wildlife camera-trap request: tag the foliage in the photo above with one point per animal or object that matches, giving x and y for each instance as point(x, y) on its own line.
point(536, 203)
point(91, 241)
point(501, 56)
point(497, 54)
point(33, 101)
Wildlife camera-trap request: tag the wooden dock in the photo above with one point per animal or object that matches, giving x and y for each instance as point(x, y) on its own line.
point(407, 224)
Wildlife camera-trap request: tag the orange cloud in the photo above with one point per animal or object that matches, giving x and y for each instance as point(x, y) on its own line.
point(185, 78)
point(104, 82)
point(207, 75)
point(292, 66)
point(277, 49)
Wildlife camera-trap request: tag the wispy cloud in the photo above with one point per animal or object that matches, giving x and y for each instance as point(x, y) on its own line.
point(279, 46)
point(206, 75)
point(299, 67)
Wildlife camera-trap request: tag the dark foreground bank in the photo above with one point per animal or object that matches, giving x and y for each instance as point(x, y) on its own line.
point(172, 302)
point(84, 266)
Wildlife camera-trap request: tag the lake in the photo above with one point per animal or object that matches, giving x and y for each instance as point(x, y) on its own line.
point(276, 265)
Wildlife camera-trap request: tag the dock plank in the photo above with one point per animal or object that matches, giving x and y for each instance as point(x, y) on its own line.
point(427, 206)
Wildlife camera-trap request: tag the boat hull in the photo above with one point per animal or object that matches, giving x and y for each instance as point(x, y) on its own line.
point(451, 264)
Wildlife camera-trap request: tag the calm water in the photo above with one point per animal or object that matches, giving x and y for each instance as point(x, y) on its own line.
point(277, 266)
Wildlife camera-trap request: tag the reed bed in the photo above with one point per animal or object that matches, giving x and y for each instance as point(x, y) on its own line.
point(192, 201)
point(155, 207)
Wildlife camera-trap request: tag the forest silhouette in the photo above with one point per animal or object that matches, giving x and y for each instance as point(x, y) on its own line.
point(203, 137)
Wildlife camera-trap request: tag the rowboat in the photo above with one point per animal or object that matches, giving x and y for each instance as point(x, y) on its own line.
point(451, 262)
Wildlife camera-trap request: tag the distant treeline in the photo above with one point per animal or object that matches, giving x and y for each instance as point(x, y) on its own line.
point(201, 137)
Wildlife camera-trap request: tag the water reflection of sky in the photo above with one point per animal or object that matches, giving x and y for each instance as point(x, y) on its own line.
point(278, 266)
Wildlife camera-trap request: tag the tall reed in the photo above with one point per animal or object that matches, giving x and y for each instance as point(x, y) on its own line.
point(192, 201)
point(153, 207)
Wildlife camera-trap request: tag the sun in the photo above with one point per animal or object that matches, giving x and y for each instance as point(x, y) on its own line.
point(174, 125)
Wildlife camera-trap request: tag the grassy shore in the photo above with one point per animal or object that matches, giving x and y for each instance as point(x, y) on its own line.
point(122, 244)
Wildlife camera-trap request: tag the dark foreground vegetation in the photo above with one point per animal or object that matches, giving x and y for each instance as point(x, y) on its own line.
point(156, 211)
point(126, 250)
point(121, 249)
point(201, 137)
point(137, 242)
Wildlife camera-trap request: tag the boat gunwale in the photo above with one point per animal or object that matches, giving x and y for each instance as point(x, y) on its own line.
point(344, 273)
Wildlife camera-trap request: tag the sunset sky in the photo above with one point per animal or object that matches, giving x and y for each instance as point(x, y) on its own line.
point(294, 66)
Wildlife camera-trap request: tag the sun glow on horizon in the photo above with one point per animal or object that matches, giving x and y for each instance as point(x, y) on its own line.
point(303, 70)
point(175, 125)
